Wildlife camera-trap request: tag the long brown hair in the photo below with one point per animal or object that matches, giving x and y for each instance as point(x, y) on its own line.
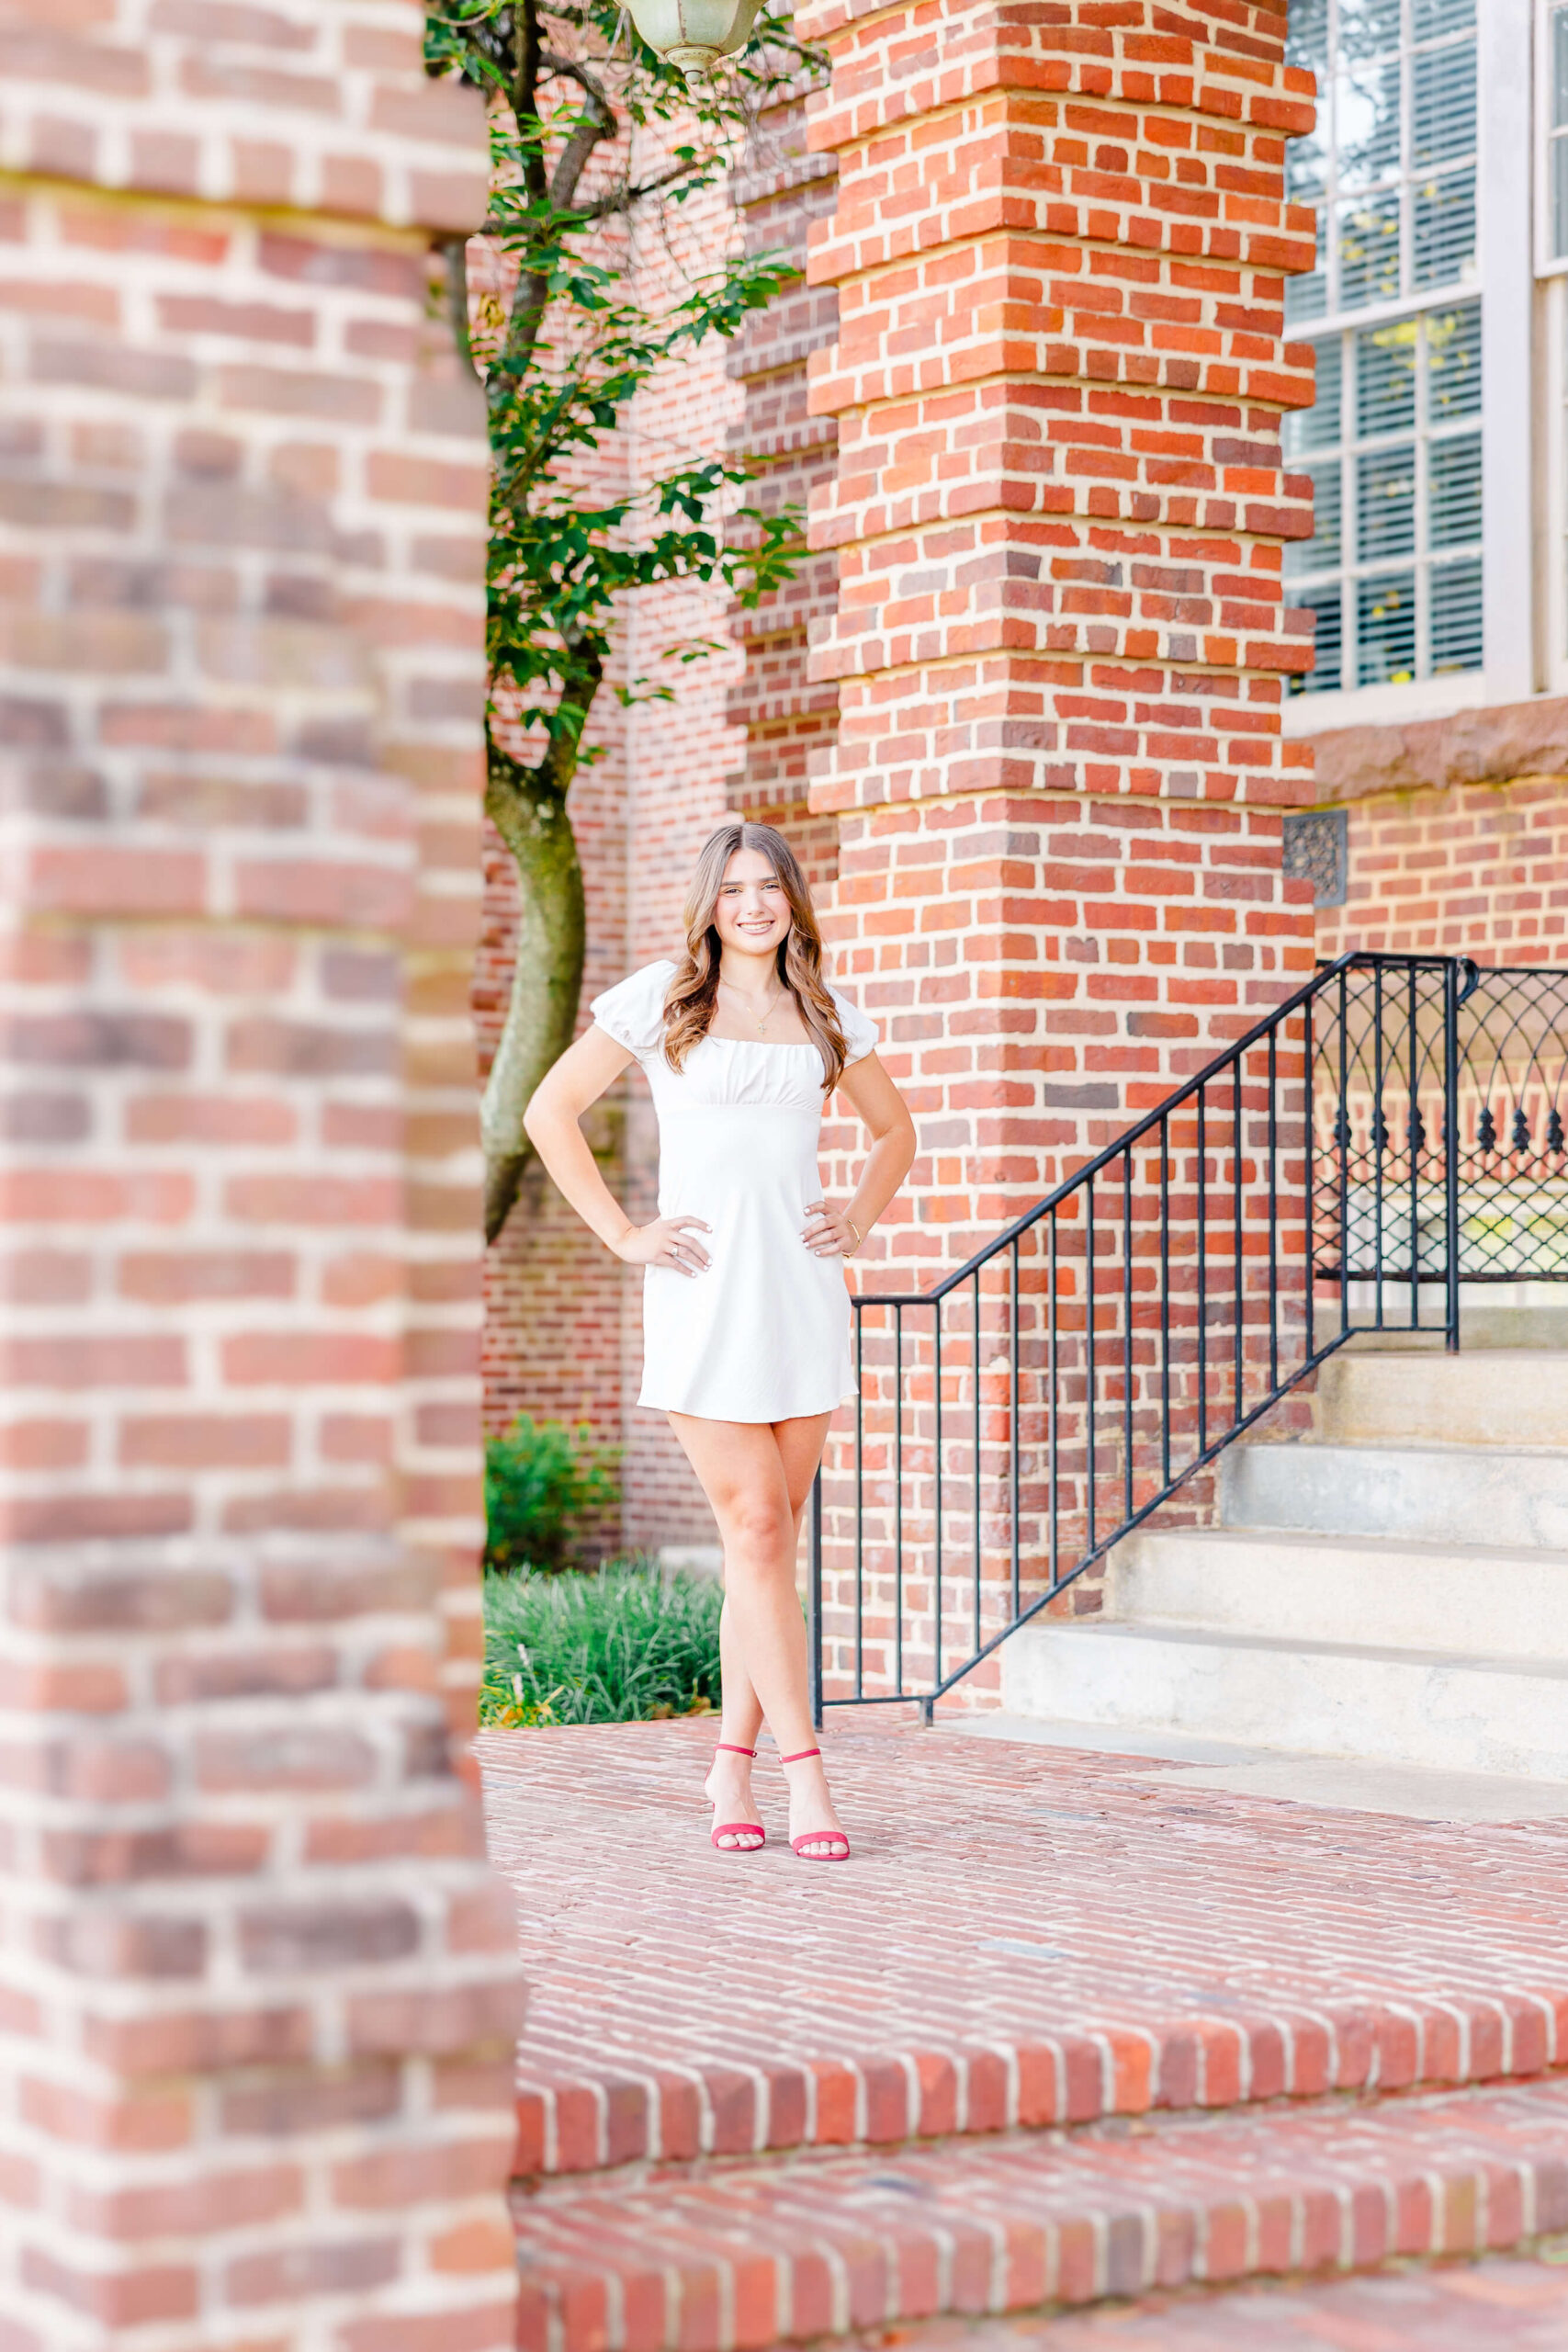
point(692, 994)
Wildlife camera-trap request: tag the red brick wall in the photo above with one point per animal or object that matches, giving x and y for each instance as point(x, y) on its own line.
point(1457, 836)
point(1059, 250)
point(258, 1986)
point(789, 716)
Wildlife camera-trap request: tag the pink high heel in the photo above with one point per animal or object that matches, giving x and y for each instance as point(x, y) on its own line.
point(834, 1838)
point(750, 1829)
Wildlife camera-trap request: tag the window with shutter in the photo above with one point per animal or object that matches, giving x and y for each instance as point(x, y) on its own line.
point(1393, 571)
point(1552, 59)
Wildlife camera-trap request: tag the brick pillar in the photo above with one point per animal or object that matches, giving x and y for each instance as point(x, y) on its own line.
point(787, 714)
point(1061, 638)
point(257, 1986)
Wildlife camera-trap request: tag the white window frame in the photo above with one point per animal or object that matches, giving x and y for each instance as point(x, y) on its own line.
point(1552, 439)
point(1547, 264)
point(1508, 169)
point(1550, 419)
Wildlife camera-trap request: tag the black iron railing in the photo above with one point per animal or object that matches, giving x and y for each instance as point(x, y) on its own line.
point(1396, 1127)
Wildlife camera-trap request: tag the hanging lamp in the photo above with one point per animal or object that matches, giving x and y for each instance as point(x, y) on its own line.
point(692, 35)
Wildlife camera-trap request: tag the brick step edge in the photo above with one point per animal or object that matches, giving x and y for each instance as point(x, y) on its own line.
point(577, 2120)
point(782, 2251)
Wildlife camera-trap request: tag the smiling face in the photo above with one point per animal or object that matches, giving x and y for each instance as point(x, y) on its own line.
point(752, 913)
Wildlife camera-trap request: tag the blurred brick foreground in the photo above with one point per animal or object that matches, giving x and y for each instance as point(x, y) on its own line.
point(256, 1980)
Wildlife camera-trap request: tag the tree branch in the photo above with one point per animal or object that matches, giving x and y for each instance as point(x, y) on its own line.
point(455, 250)
point(575, 71)
point(621, 199)
point(600, 122)
point(574, 158)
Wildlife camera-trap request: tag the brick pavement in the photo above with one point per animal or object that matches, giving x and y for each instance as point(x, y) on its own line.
point(1024, 1936)
point(1505, 2304)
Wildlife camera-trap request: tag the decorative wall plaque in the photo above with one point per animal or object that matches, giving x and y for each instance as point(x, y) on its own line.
point(1315, 851)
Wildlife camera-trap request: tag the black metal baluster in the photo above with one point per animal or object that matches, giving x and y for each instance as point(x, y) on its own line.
point(1413, 1131)
point(977, 1457)
point(899, 1500)
point(1088, 1314)
point(1051, 1383)
point(1450, 1147)
point(1380, 1137)
point(860, 1506)
point(1309, 1145)
point(937, 1585)
point(1235, 1163)
point(1274, 1214)
point(1165, 1300)
point(1127, 1331)
point(1202, 1279)
point(1342, 1136)
point(1012, 1428)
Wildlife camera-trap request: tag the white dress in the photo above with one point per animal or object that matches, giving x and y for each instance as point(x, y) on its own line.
point(764, 1333)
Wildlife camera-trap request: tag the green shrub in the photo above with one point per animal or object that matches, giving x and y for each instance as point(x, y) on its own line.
point(542, 1483)
point(622, 1645)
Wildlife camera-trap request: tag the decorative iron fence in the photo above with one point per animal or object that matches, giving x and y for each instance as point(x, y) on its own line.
point(1397, 1124)
point(1381, 1163)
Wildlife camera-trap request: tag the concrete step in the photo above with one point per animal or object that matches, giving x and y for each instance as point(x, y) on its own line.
point(1505, 1397)
point(1281, 1586)
point(1485, 1493)
point(1494, 1323)
point(757, 2254)
point(1447, 1713)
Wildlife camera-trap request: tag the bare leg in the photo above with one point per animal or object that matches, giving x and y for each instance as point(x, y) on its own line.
point(742, 1718)
point(729, 1782)
point(742, 1708)
point(757, 1478)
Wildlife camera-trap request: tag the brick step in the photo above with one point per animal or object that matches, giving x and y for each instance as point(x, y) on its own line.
point(1509, 2302)
point(576, 2116)
point(756, 2254)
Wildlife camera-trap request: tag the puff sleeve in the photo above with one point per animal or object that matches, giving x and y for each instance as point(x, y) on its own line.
point(633, 1011)
point(861, 1036)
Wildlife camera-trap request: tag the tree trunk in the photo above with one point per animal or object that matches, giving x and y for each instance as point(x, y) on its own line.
point(528, 809)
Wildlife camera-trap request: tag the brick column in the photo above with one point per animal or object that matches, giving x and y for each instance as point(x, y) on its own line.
point(256, 1983)
point(1061, 639)
point(787, 714)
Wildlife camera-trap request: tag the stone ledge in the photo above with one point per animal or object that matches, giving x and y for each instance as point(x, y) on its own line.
point(1497, 745)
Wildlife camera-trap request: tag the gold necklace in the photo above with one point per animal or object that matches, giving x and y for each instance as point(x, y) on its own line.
point(751, 1015)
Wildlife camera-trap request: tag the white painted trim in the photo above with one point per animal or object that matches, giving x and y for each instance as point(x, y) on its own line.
point(1547, 264)
point(1307, 714)
point(1506, 190)
point(1551, 552)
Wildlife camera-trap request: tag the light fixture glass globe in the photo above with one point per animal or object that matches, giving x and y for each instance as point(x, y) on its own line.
point(694, 34)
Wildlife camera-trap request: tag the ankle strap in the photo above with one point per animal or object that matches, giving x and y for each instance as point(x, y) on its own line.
point(727, 1747)
point(802, 1756)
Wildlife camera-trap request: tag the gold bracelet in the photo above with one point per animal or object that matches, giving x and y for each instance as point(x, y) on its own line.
point(855, 1229)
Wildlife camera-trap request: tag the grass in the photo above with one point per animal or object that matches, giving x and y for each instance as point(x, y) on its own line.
point(618, 1645)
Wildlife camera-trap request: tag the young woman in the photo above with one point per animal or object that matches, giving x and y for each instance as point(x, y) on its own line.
point(746, 1309)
